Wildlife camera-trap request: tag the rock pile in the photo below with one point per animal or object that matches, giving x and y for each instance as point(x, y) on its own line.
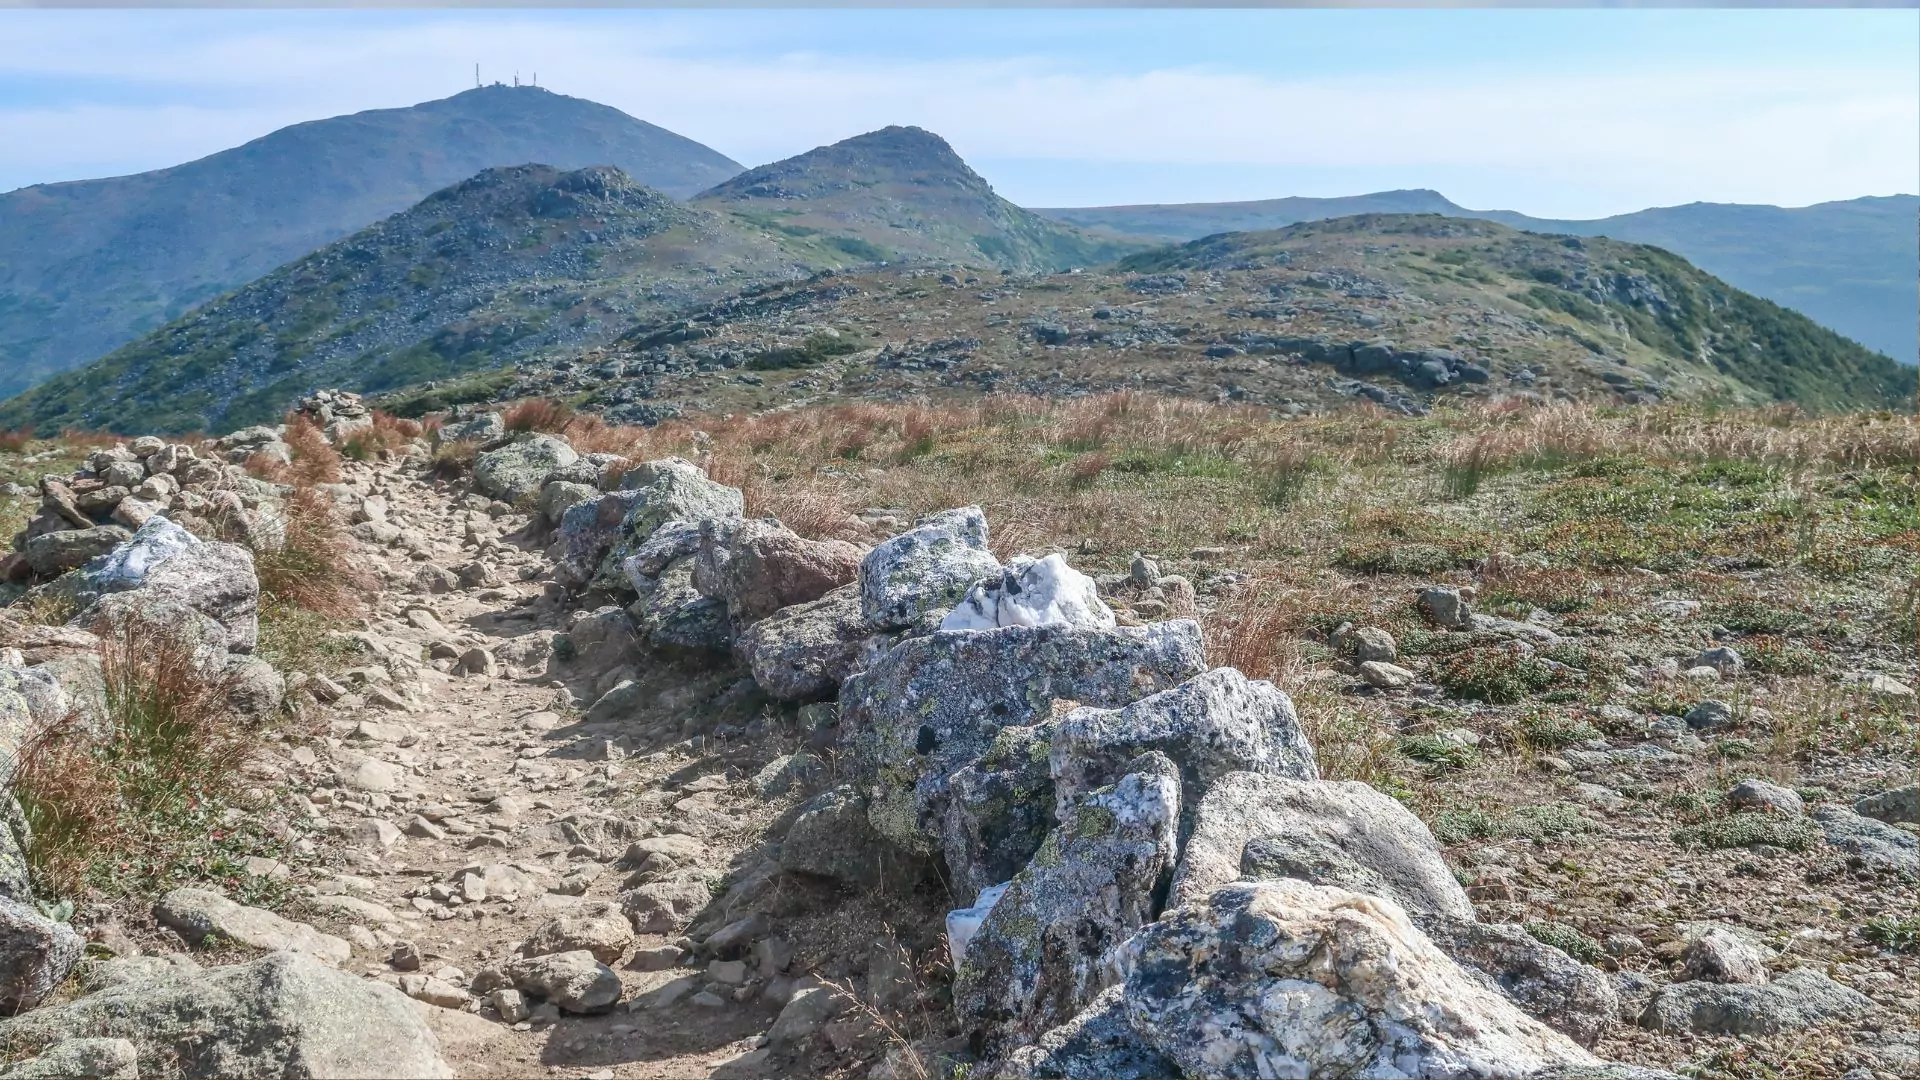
point(1121, 811)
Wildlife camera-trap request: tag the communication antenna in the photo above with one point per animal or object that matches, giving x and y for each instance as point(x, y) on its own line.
point(476, 76)
point(516, 78)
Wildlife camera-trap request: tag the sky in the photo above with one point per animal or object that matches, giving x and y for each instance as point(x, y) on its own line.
point(1556, 113)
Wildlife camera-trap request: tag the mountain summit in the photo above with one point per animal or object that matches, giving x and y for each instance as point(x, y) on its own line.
point(902, 192)
point(91, 264)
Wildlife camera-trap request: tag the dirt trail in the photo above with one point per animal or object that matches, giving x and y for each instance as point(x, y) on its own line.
point(499, 771)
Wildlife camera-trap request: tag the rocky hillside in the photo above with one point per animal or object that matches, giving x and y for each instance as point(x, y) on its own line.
point(1554, 743)
point(531, 261)
point(901, 193)
point(1847, 265)
point(1402, 311)
point(93, 264)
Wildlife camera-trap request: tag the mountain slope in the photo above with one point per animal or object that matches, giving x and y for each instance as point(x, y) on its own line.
point(1848, 265)
point(529, 261)
point(902, 193)
point(1400, 310)
point(87, 266)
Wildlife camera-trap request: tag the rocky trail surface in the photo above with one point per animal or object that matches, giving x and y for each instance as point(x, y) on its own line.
point(484, 810)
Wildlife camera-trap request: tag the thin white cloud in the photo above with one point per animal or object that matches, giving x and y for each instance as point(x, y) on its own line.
point(1789, 136)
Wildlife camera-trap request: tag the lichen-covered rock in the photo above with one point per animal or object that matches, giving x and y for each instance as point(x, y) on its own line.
point(31, 701)
point(1098, 1044)
point(673, 615)
point(1000, 809)
point(1573, 998)
point(36, 954)
point(929, 567)
point(597, 644)
point(1339, 833)
point(670, 542)
point(674, 489)
point(520, 469)
point(197, 914)
point(559, 496)
point(587, 531)
point(1799, 999)
point(1901, 804)
point(1286, 978)
point(1029, 592)
point(804, 652)
point(1719, 955)
point(1216, 723)
point(932, 704)
point(1447, 608)
point(1040, 957)
point(758, 566)
point(127, 564)
point(282, 1015)
point(67, 549)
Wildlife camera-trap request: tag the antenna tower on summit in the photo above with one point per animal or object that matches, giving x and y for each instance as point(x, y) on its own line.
point(476, 76)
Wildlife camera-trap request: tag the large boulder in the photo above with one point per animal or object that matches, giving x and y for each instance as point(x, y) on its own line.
point(1031, 592)
point(804, 652)
point(36, 954)
point(79, 1059)
point(283, 1015)
point(1214, 724)
point(1286, 978)
point(932, 704)
point(1336, 833)
point(484, 428)
point(32, 700)
point(758, 566)
point(674, 489)
point(127, 564)
point(520, 469)
point(1573, 998)
point(1039, 958)
point(929, 567)
point(574, 981)
point(1870, 843)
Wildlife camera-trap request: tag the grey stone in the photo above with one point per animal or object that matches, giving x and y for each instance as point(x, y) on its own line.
point(574, 981)
point(1573, 998)
point(932, 704)
point(1756, 794)
point(79, 1059)
point(1370, 643)
point(1039, 958)
point(1447, 608)
point(197, 914)
point(1900, 804)
point(1709, 714)
point(1285, 978)
point(1213, 724)
point(804, 1014)
point(671, 541)
point(599, 927)
point(1341, 833)
point(673, 615)
point(804, 652)
point(1384, 676)
point(36, 954)
point(665, 907)
point(670, 489)
point(1873, 844)
point(1720, 956)
point(559, 496)
point(257, 689)
point(1799, 999)
point(215, 579)
point(283, 1015)
point(520, 469)
point(1721, 658)
point(67, 549)
point(999, 810)
point(928, 567)
point(832, 838)
point(587, 530)
point(484, 428)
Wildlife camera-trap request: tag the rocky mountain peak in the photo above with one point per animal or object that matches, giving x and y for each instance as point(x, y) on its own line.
point(891, 155)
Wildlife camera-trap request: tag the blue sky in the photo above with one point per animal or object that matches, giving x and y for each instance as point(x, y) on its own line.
point(1566, 113)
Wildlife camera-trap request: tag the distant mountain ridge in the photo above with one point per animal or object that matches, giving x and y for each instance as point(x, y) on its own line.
point(527, 260)
point(1849, 265)
point(88, 265)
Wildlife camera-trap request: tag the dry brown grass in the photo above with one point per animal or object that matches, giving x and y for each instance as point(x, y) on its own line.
point(538, 414)
point(130, 800)
point(386, 434)
point(13, 442)
point(314, 460)
point(314, 568)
